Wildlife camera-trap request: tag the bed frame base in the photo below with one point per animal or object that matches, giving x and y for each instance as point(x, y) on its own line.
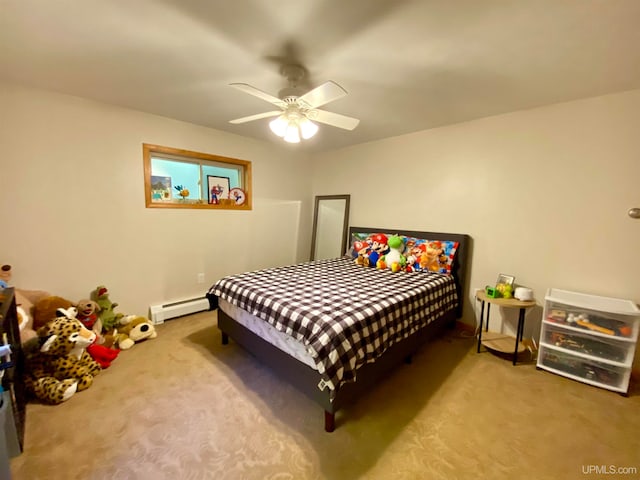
point(329, 422)
point(306, 379)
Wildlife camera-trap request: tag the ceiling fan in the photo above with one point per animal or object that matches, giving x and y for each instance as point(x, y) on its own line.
point(298, 110)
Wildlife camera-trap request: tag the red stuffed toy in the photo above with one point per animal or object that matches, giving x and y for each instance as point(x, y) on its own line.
point(102, 355)
point(88, 315)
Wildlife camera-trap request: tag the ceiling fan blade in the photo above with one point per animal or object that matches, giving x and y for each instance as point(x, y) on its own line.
point(257, 116)
point(333, 119)
point(325, 93)
point(258, 93)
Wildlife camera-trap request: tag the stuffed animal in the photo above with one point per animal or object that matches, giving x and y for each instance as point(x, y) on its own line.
point(71, 312)
point(394, 260)
point(23, 319)
point(26, 299)
point(88, 311)
point(379, 247)
point(24, 302)
point(362, 258)
point(107, 316)
point(58, 365)
point(429, 259)
point(134, 329)
point(101, 349)
point(46, 309)
point(102, 354)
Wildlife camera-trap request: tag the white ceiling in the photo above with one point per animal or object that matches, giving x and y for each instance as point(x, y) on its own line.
point(407, 65)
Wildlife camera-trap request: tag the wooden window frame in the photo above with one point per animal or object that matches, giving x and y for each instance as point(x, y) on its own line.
point(188, 156)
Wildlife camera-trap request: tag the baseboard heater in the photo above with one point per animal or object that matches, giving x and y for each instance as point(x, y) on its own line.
point(179, 308)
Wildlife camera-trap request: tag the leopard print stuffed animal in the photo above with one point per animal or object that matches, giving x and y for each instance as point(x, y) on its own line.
point(58, 366)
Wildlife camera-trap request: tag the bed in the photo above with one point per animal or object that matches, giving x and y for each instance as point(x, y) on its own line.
point(334, 328)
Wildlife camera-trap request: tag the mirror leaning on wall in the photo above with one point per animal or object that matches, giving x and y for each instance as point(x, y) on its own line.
point(330, 226)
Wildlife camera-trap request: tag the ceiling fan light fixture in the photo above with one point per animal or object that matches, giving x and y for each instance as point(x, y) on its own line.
point(279, 125)
point(299, 115)
point(307, 128)
point(293, 133)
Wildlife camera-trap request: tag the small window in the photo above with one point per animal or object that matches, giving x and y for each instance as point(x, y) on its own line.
point(175, 178)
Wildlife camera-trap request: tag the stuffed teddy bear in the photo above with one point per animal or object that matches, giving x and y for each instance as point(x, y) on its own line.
point(58, 365)
point(88, 311)
point(46, 309)
point(134, 329)
point(106, 314)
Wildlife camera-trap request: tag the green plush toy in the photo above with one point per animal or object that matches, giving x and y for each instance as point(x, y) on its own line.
point(394, 260)
point(109, 318)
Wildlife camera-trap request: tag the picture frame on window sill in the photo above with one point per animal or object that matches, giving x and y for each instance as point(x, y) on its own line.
point(218, 188)
point(161, 189)
point(237, 196)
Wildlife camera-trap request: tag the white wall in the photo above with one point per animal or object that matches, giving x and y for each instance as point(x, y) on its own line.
point(73, 210)
point(544, 194)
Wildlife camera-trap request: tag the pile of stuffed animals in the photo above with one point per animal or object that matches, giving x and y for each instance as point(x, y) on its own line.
point(390, 252)
point(66, 344)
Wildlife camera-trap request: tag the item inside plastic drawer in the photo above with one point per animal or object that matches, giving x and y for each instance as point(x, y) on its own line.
point(580, 367)
point(586, 344)
point(590, 321)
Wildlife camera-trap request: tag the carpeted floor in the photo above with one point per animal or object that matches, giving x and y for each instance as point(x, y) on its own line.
point(182, 406)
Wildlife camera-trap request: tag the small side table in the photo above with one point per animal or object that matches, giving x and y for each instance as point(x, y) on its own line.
point(498, 341)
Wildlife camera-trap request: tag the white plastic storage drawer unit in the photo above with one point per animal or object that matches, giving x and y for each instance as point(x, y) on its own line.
point(589, 338)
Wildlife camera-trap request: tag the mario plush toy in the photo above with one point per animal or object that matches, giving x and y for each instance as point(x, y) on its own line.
point(379, 247)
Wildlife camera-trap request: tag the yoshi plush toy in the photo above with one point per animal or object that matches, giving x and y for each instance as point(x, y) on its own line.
point(394, 260)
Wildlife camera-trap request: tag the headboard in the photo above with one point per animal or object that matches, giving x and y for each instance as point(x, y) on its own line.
point(459, 266)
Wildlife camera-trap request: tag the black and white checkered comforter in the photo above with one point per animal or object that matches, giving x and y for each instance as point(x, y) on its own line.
point(345, 314)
